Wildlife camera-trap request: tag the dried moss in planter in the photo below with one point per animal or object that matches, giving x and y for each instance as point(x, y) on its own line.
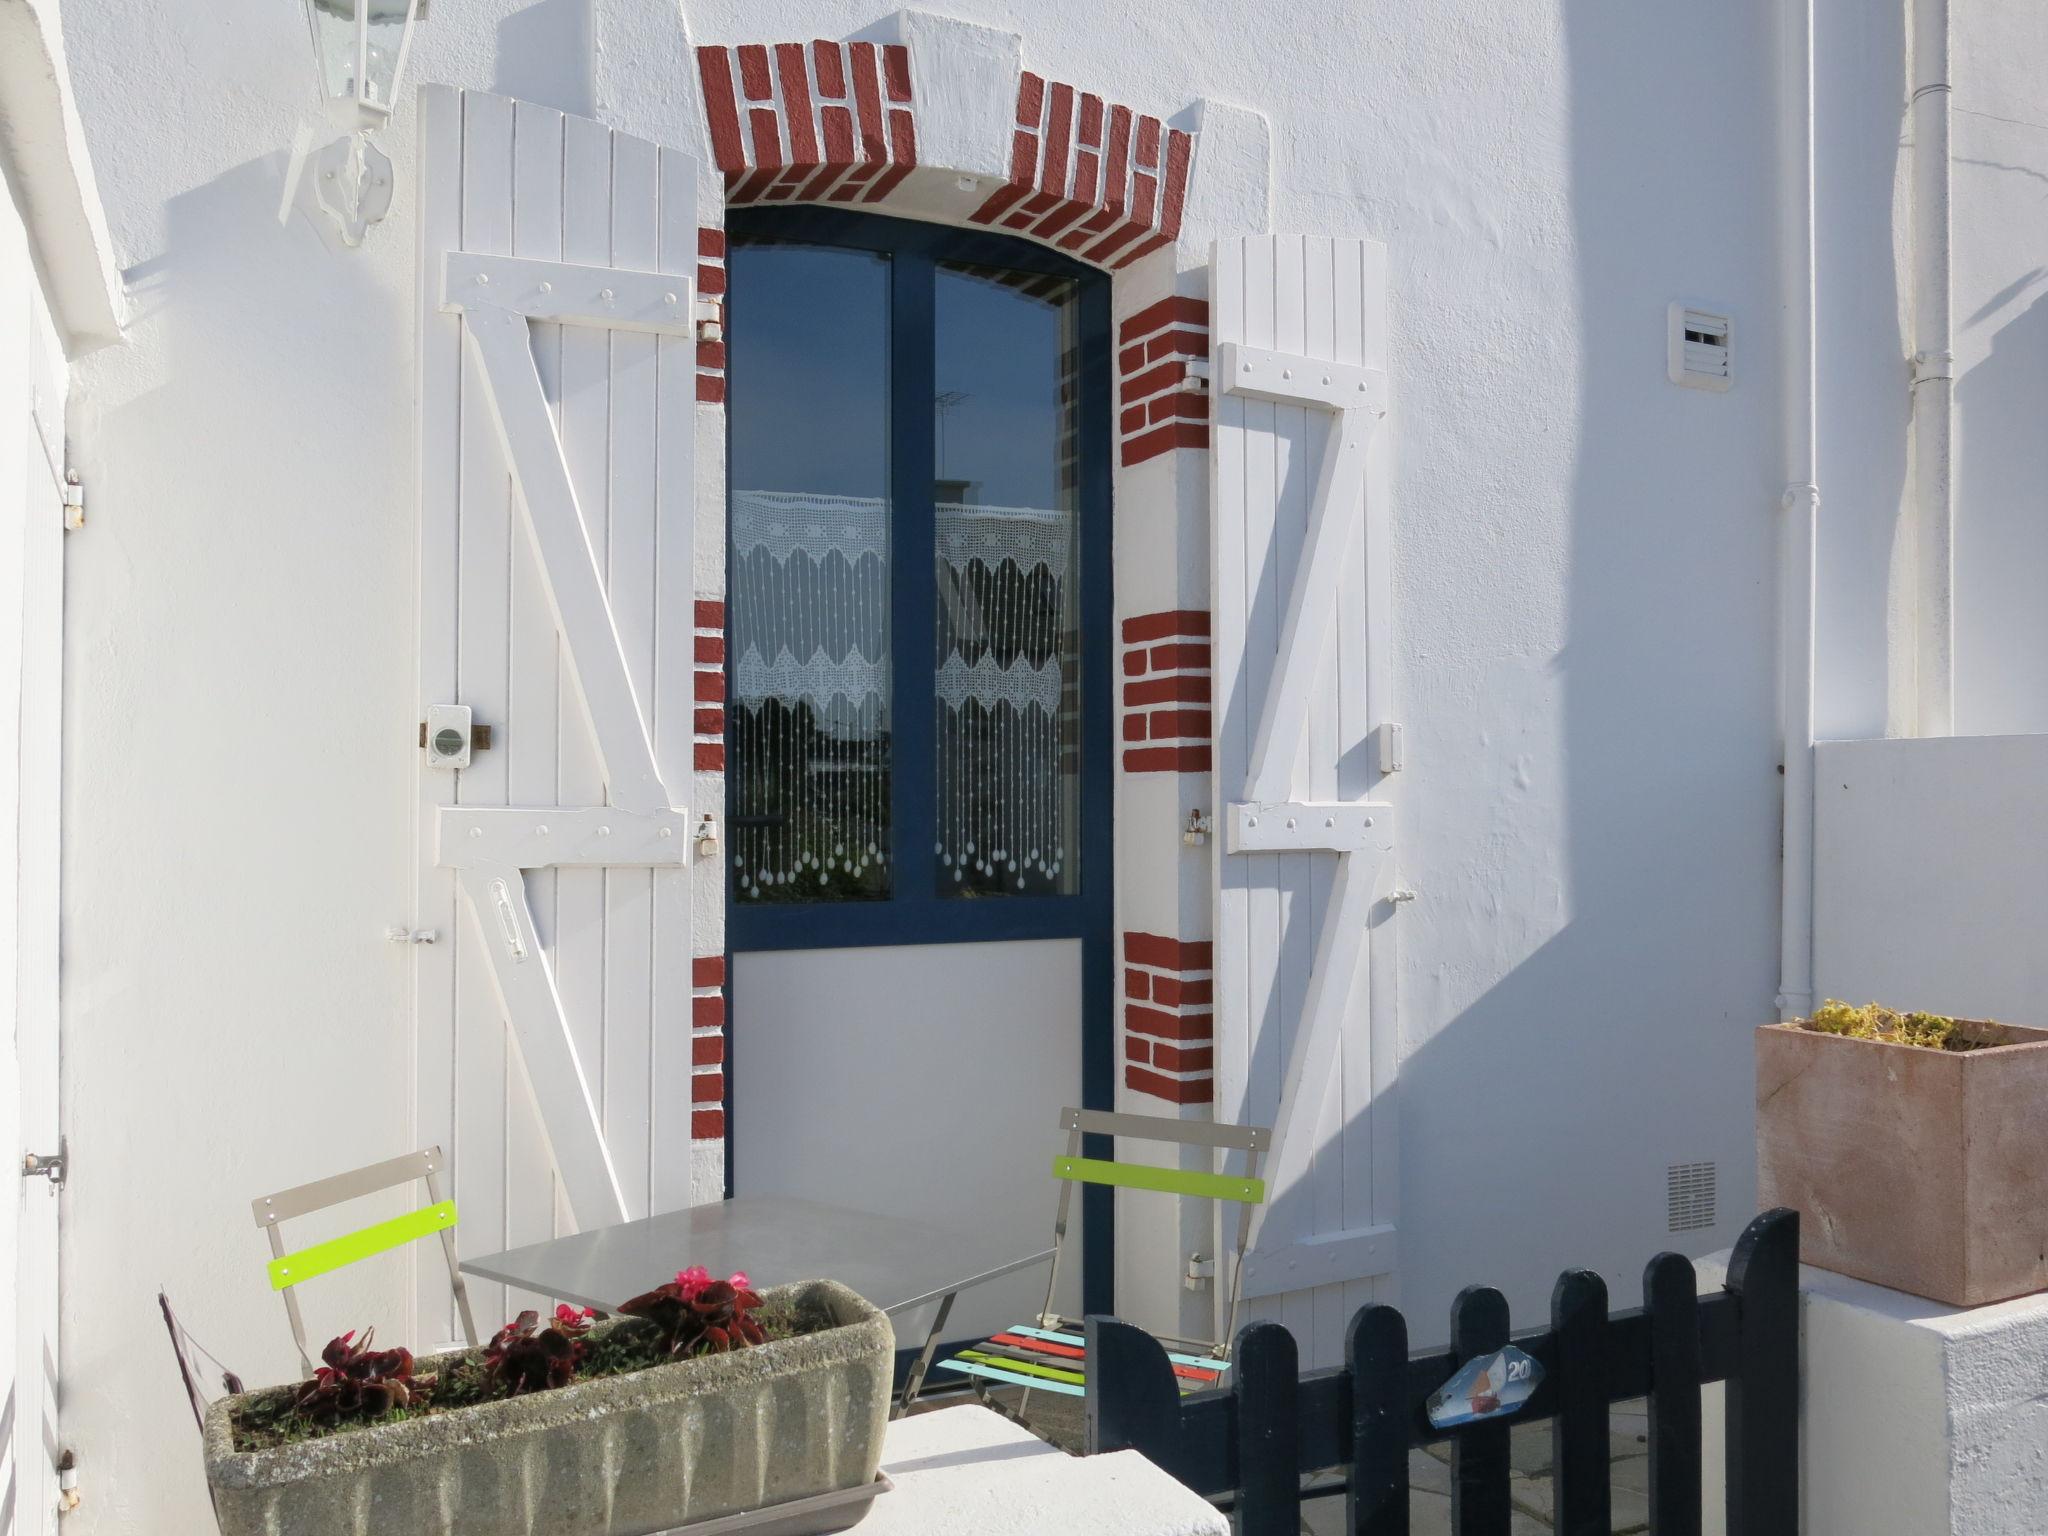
point(1873, 1021)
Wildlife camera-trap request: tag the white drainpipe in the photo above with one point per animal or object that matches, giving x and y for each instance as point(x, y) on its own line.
point(1933, 378)
point(1799, 512)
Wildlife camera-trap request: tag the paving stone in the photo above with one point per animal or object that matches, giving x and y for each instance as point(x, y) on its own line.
point(1628, 1508)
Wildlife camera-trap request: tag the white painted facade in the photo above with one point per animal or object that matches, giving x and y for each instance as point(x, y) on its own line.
point(1584, 590)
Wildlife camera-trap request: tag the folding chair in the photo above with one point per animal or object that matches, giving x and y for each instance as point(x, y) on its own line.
point(289, 1270)
point(1051, 1355)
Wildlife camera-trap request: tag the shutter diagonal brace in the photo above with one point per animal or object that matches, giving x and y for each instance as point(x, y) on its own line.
point(498, 297)
point(1269, 820)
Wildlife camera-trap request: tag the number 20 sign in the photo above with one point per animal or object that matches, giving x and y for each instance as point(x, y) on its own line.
point(1489, 1387)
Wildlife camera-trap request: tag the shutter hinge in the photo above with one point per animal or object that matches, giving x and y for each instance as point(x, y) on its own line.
point(74, 502)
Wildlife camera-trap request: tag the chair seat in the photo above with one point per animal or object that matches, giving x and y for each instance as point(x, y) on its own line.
point(1053, 1360)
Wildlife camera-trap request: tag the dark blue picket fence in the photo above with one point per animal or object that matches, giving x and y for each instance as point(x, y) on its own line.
point(1252, 1442)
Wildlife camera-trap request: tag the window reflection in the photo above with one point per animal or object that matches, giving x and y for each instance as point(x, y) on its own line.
point(1006, 484)
point(808, 582)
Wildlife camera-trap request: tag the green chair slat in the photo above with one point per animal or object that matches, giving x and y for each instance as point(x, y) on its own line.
point(1015, 1379)
point(1172, 1181)
point(1024, 1367)
point(290, 1269)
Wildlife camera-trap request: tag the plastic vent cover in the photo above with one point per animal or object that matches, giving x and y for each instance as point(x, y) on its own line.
point(1699, 348)
point(1690, 1196)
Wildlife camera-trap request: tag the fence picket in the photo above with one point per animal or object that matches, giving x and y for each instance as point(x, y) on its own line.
point(1578, 1431)
point(1268, 1435)
point(1671, 1297)
point(1763, 1393)
point(1479, 1454)
point(1377, 1351)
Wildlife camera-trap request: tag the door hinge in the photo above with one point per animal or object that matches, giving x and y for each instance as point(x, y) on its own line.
point(44, 1165)
point(74, 502)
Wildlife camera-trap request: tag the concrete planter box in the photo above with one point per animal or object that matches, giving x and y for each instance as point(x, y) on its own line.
point(618, 1456)
point(1918, 1169)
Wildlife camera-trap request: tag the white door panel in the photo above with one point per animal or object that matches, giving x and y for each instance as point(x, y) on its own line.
point(922, 1081)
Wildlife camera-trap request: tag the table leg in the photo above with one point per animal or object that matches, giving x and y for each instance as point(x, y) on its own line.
point(914, 1382)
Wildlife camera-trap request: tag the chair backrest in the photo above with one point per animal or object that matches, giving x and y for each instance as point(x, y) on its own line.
point(1248, 1189)
point(289, 1269)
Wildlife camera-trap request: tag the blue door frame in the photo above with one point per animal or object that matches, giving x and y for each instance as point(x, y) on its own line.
point(922, 916)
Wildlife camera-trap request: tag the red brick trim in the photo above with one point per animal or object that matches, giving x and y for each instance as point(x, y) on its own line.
point(707, 1047)
point(709, 727)
point(1166, 725)
point(828, 122)
point(1090, 176)
point(1169, 1019)
point(1161, 402)
point(711, 292)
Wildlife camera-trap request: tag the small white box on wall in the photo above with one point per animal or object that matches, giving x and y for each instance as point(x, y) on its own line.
point(1699, 347)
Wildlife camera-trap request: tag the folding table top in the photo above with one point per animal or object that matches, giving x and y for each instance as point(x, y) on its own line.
point(894, 1262)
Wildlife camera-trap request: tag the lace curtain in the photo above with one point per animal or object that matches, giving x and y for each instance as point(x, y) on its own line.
point(809, 595)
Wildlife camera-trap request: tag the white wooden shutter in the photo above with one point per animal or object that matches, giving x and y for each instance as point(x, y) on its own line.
point(557, 420)
point(1303, 969)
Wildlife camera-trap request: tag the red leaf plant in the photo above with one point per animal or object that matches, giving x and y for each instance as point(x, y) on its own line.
point(525, 1357)
point(694, 1313)
point(358, 1382)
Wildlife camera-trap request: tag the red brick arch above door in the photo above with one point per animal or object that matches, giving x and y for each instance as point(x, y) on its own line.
point(843, 122)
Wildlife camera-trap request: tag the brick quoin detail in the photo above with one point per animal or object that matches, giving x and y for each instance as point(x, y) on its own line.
point(709, 730)
point(707, 1047)
point(1089, 176)
point(816, 122)
point(1160, 405)
point(1166, 680)
point(1169, 1018)
point(711, 291)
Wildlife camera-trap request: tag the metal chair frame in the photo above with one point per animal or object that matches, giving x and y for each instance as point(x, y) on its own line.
point(289, 1269)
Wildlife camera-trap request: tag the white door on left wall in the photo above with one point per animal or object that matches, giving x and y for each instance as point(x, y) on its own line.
point(31, 649)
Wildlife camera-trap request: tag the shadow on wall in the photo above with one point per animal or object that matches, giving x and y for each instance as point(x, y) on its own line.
point(2001, 531)
point(544, 55)
point(1628, 912)
point(1865, 383)
point(251, 547)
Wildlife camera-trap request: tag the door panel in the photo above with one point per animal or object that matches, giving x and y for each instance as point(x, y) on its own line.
point(922, 1081)
point(558, 426)
point(1302, 643)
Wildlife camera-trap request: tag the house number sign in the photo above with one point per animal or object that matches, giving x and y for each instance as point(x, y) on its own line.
point(1490, 1387)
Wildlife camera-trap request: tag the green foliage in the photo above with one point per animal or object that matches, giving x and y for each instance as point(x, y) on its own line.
point(1873, 1021)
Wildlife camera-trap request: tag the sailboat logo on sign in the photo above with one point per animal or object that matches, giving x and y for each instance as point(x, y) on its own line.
point(1491, 1386)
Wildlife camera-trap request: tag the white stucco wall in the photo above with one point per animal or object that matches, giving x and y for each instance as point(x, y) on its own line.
point(1585, 589)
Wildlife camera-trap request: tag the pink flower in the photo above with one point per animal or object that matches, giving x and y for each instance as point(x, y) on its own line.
point(692, 1280)
point(739, 1280)
point(564, 1313)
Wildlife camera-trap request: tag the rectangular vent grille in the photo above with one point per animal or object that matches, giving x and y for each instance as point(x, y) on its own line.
point(1690, 1196)
point(1699, 348)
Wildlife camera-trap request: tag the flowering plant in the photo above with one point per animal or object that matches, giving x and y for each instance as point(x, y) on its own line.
point(524, 1357)
point(694, 1312)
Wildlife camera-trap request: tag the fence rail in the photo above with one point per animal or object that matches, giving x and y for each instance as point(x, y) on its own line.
point(1256, 1438)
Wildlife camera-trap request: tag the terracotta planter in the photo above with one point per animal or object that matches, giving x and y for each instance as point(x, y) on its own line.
point(617, 1456)
point(1922, 1170)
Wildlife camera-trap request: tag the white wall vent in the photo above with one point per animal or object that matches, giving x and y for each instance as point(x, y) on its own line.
point(1690, 1196)
point(1699, 348)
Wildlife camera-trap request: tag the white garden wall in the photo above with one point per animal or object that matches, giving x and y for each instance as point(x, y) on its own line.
point(1584, 592)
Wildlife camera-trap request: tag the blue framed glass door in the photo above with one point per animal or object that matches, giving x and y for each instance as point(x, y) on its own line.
point(919, 609)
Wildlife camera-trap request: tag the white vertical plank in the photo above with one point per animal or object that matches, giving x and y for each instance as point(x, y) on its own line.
point(585, 416)
point(1297, 441)
point(630, 582)
point(675, 701)
point(440, 406)
point(532, 720)
point(483, 1062)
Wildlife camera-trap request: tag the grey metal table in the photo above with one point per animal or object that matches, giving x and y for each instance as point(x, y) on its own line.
point(895, 1263)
